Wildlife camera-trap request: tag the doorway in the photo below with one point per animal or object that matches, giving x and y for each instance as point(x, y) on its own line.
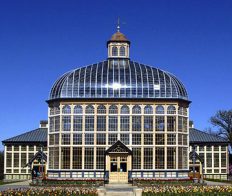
point(118, 169)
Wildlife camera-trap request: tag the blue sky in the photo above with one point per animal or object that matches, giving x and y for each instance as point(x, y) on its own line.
point(40, 40)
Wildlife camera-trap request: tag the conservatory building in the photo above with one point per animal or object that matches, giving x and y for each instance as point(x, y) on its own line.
point(118, 120)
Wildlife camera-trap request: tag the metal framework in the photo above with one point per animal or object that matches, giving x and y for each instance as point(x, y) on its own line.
point(118, 78)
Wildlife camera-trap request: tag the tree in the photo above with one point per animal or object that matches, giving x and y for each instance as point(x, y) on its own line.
point(223, 120)
point(1, 165)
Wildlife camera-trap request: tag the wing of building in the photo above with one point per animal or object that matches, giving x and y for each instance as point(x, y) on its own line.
point(116, 120)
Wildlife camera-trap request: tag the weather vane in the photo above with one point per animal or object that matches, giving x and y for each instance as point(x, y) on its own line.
point(118, 26)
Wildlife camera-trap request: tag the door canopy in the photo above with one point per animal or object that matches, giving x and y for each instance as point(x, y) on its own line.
point(39, 156)
point(118, 148)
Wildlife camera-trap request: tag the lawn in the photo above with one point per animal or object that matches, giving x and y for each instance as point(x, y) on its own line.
point(2, 182)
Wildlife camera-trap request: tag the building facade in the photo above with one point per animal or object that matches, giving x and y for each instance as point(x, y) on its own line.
point(115, 120)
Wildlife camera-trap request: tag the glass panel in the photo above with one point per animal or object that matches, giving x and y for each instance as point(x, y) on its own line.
point(77, 158)
point(101, 109)
point(113, 109)
point(113, 167)
point(125, 110)
point(159, 109)
point(66, 109)
point(148, 109)
point(136, 109)
point(89, 109)
point(122, 51)
point(123, 167)
point(78, 109)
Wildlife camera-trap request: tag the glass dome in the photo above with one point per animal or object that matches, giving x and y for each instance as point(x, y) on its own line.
point(118, 78)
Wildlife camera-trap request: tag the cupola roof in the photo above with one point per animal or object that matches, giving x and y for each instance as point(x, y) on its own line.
point(118, 37)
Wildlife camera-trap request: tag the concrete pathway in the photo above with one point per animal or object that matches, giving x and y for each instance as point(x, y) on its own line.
point(15, 185)
point(211, 183)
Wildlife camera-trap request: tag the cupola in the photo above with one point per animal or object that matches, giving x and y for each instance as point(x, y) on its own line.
point(118, 46)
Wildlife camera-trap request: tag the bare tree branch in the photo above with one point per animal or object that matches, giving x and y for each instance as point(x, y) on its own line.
point(223, 120)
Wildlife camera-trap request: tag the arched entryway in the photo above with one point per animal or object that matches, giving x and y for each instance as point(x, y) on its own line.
point(118, 162)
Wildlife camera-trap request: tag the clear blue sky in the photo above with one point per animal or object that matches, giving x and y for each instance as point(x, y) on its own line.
point(40, 40)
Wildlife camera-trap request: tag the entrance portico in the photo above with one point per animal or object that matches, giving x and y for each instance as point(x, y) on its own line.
point(118, 162)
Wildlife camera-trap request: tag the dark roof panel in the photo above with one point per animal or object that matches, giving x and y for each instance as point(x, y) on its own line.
point(40, 136)
point(197, 136)
point(35, 136)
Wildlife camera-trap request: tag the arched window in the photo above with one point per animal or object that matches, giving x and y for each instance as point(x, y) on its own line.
point(52, 111)
point(180, 110)
point(159, 109)
point(148, 109)
point(125, 109)
point(113, 109)
point(185, 111)
point(66, 109)
point(171, 109)
point(89, 109)
point(101, 109)
point(136, 109)
point(114, 51)
point(57, 110)
point(78, 109)
point(122, 51)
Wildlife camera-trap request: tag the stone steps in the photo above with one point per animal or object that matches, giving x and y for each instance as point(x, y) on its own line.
point(119, 190)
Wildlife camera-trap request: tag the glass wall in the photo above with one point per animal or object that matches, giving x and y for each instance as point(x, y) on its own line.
point(157, 134)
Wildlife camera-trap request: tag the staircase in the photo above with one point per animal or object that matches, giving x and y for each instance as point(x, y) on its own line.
point(119, 190)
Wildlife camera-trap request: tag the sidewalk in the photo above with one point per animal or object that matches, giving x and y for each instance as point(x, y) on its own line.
point(211, 183)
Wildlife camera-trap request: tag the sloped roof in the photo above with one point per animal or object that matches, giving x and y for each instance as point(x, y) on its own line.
point(197, 157)
point(118, 36)
point(118, 147)
point(39, 155)
point(35, 136)
point(40, 136)
point(197, 136)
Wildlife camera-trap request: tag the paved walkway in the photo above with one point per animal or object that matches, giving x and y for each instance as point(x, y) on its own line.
point(15, 185)
point(217, 183)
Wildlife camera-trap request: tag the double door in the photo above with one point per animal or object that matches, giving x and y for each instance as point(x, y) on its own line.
point(118, 169)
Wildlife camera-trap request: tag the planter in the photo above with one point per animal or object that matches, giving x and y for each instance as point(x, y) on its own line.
point(195, 180)
point(34, 181)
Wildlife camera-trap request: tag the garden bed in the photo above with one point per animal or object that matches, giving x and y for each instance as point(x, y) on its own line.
point(155, 182)
point(187, 190)
point(68, 182)
point(58, 191)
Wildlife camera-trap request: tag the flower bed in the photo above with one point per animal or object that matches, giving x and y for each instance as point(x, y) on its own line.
point(50, 191)
point(70, 182)
point(154, 182)
point(187, 190)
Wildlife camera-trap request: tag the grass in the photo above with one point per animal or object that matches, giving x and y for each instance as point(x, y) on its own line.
point(3, 183)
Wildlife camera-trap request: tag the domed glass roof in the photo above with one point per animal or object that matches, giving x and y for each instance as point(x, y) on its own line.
point(118, 79)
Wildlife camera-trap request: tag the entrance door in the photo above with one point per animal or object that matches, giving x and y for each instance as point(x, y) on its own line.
point(118, 169)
